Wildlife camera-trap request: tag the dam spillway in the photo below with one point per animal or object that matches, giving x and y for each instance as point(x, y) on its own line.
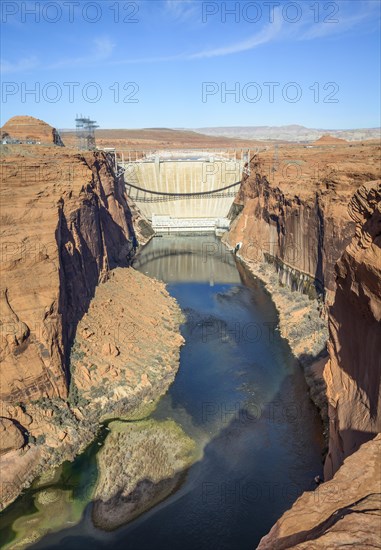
point(180, 187)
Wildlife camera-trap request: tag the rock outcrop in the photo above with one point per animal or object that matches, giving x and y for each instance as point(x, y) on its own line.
point(140, 464)
point(353, 373)
point(30, 130)
point(318, 244)
point(131, 322)
point(291, 223)
point(344, 512)
point(327, 139)
point(292, 211)
point(65, 223)
point(11, 436)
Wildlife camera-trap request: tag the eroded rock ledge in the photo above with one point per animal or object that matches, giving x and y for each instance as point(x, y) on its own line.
point(353, 373)
point(291, 221)
point(344, 512)
point(126, 351)
point(345, 263)
point(66, 224)
point(140, 464)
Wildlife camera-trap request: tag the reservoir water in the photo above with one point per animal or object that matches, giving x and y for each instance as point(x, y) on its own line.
point(239, 394)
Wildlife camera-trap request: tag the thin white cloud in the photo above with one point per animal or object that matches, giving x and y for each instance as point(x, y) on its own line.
point(182, 10)
point(368, 11)
point(269, 33)
point(103, 48)
point(306, 29)
point(137, 61)
point(22, 65)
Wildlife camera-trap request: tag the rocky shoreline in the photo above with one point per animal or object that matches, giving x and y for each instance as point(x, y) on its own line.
point(140, 464)
point(69, 229)
point(116, 374)
point(303, 324)
point(343, 512)
point(138, 360)
point(325, 238)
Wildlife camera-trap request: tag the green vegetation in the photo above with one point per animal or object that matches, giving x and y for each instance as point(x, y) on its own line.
point(76, 398)
point(144, 460)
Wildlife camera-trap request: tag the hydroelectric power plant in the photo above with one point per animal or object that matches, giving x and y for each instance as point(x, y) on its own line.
point(186, 190)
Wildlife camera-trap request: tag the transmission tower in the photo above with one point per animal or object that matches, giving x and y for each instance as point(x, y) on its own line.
point(85, 133)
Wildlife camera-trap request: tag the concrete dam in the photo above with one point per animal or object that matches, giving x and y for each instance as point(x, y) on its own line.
point(184, 190)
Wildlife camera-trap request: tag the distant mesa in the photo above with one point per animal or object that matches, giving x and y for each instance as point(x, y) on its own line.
point(27, 129)
point(290, 133)
point(327, 139)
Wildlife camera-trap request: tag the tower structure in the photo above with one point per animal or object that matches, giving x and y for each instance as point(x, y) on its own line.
point(85, 133)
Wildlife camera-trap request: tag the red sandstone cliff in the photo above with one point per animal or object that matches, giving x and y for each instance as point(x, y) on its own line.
point(342, 513)
point(346, 510)
point(30, 129)
point(291, 218)
point(329, 229)
point(292, 211)
point(353, 373)
point(65, 223)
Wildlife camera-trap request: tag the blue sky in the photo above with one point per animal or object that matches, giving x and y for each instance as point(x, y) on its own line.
point(171, 63)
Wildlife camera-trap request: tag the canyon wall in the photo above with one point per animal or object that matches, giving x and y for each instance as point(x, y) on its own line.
point(65, 223)
point(292, 211)
point(300, 225)
point(291, 223)
point(322, 236)
point(345, 512)
point(353, 372)
point(346, 509)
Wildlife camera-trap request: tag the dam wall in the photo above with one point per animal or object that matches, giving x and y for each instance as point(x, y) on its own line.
point(194, 186)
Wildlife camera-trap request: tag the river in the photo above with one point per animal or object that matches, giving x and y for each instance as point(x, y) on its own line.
point(239, 394)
